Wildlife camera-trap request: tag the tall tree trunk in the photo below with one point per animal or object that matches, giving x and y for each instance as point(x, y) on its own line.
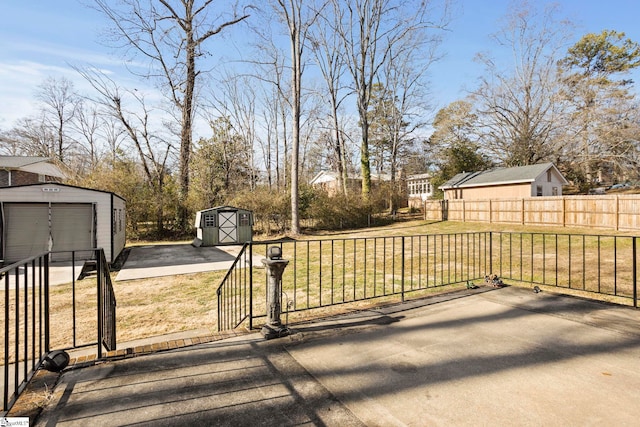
point(295, 113)
point(365, 164)
point(186, 132)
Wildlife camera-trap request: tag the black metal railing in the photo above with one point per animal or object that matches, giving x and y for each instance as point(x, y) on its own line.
point(323, 273)
point(234, 293)
point(336, 271)
point(106, 305)
point(597, 264)
point(26, 326)
point(41, 314)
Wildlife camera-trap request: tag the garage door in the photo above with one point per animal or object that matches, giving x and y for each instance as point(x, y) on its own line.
point(71, 229)
point(27, 229)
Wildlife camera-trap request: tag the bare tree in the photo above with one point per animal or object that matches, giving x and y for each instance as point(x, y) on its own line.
point(519, 106)
point(87, 125)
point(31, 136)
point(59, 101)
point(130, 110)
point(326, 48)
point(170, 34)
point(369, 31)
point(235, 102)
point(298, 16)
point(404, 96)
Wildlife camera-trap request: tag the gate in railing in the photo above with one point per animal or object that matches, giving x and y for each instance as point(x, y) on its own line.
point(32, 326)
point(337, 271)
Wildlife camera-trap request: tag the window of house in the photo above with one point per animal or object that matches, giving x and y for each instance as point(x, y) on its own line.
point(554, 191)
point(549, 175)
point(209, 220)
point(539, 190)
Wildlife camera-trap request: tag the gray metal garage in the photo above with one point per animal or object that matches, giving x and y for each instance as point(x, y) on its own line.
point(57, 217)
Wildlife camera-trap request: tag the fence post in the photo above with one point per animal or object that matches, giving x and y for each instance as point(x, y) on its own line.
point(635, 273)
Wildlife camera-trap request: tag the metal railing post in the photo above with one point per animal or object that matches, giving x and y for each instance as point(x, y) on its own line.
point(47, 327)
point(100, 320)
point(490, 253)
point(250, 285)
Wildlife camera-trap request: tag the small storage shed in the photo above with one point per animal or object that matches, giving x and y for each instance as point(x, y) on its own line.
point(223, 225)
point(37, 218)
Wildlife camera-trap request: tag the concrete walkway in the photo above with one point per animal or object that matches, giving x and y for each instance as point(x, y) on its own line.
point(478, 357)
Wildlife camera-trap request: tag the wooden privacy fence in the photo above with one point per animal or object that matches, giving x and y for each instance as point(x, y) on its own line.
point(614, 212)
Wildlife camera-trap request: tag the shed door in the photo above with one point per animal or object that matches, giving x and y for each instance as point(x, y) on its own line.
point(26, 230)
point(227, 227)
point(72, 228)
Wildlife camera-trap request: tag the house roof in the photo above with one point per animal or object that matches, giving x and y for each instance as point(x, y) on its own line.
point(501, 176)
point(34, 164)
point(419, 176)
point(332, 176)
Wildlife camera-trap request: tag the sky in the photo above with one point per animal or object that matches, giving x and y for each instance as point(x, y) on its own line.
point(41, 38)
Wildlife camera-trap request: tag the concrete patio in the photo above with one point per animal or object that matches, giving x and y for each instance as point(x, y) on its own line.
point(476, 357)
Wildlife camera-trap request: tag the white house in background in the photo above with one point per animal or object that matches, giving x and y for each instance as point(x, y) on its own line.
point(328, 181)
point(40, 217)
point(539, 180)
point(419, 189)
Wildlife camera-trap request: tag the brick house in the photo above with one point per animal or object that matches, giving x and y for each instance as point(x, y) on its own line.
point(25, 170)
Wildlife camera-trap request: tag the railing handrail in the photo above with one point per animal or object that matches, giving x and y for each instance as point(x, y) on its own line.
point(232, 267)
point(21, 262)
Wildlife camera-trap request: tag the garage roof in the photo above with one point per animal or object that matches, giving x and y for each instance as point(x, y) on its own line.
point(501, 176)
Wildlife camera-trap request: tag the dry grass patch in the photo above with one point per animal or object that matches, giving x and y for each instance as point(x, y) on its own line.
point(161, 305)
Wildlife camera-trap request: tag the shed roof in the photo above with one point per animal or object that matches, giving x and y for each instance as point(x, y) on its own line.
point(224, 208)
point(501, 176)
